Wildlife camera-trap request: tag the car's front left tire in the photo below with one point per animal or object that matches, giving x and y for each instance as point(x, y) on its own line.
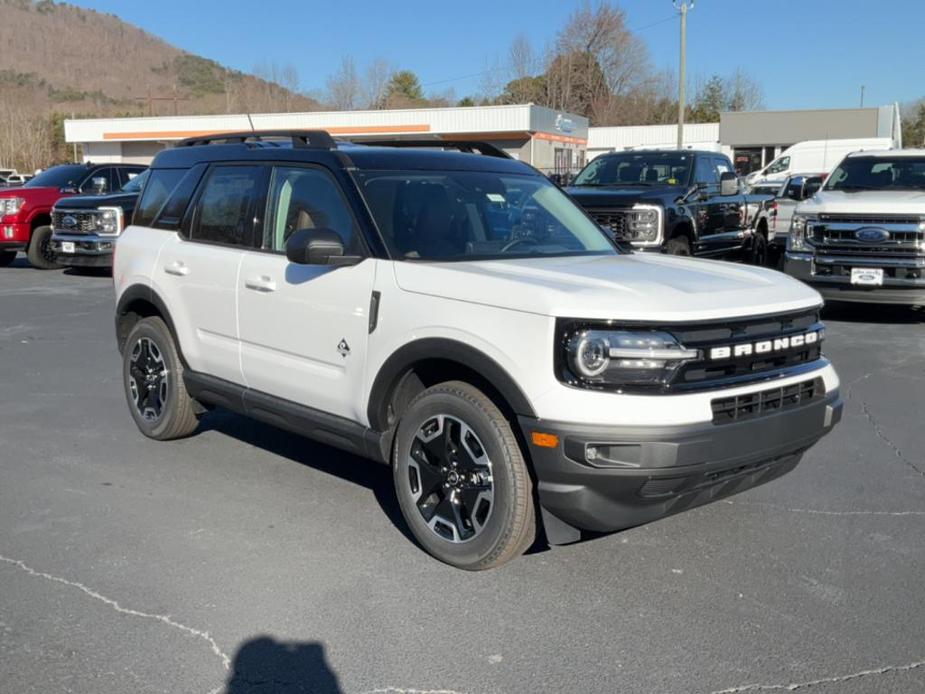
point(152, 375)
point(461, 478)
point(39, 251)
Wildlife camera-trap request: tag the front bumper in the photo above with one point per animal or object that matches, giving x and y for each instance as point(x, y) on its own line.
point(90, 250)
point(14, 236)
point(665, 470)
point(838, 287)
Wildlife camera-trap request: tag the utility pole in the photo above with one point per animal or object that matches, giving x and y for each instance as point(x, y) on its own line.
point(682, 6)
point(862, 96)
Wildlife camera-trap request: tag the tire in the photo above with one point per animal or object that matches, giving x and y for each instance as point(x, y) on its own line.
point(758, 254)
point(39, 251)
point(7, 258)
point(678, 245)
point(152, 376)
point(453, 437)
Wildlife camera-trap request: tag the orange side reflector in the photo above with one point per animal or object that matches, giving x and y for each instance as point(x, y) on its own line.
point(545, 440)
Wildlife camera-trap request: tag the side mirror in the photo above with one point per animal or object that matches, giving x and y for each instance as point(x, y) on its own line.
point(811, 188)
point(796, 189)
point(728, 183)
point(314, 247)
point(99, 185)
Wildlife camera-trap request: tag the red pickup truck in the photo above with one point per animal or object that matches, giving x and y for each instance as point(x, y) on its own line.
point(25, 213)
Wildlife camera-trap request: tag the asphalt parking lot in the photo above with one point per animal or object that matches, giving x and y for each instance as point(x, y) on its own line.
point(246, 559)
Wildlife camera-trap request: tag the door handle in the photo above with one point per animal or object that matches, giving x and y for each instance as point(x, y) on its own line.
point(177, 268)
point(260, 284)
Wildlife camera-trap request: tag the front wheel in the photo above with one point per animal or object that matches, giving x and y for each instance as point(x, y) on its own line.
point(152, 374)
point(39, 251)
point(461, 479)
point(758, 254)
point(679, 245)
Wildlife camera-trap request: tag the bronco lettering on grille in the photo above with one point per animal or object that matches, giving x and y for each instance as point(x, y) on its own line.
point(778, 344)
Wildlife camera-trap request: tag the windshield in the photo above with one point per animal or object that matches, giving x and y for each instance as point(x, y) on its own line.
point(878, 173)
point(63, 176)
point(135, 182)
point(637, 169)
point(469, 215)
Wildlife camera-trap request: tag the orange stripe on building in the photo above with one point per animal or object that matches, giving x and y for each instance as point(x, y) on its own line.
point(560, 138)
point(335, 130)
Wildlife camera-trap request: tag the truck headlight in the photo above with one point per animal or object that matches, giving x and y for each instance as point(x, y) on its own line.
point(644, 225)
point(798, 227)
point(615, 358)
point(10, 206)
point(109, 220)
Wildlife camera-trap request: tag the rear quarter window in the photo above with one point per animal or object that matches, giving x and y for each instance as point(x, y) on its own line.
point(157, 190)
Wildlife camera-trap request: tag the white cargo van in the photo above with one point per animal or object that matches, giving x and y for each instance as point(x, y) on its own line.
point(815, 156)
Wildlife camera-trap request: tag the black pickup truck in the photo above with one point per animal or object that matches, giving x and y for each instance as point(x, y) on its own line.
point(85, 227)
point(681, 202)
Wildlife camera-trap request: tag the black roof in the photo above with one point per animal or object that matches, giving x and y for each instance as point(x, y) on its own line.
point(344, 154)
point(667, 150)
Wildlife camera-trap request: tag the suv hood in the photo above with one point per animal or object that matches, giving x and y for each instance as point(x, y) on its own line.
point(625, 196)
point(865, 202)
point(633, 287)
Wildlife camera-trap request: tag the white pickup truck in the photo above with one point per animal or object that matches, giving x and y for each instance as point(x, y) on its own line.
point(862, 236)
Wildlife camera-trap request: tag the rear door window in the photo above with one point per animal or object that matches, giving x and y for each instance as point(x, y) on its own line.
point(226, 208)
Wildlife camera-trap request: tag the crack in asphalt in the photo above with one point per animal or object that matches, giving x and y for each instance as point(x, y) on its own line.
point(794, 686)
point(878, 430)
point(165, 619)
point(821, 512)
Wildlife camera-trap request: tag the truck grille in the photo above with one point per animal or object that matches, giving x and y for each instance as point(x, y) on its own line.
point(611, 218)
point(751, 405)
point(74, 222)
point(837, 235)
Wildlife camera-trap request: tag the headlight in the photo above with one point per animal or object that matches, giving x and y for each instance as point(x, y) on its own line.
point(109, 220)
point(798, 227)
point(600, 357)
point(644, 225)
point(10, 205)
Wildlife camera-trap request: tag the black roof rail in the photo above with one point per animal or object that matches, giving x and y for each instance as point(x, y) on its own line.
point(468, 146)
point(310, 139)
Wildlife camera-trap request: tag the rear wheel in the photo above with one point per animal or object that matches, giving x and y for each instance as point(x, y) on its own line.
point(7, 257)
point(153, 379)
point(39, 251)
point(758, 254)
point(461, 479)
point(679, 245)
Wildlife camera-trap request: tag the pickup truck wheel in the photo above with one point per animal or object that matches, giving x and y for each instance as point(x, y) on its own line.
point(679, 245)
point(759, 250)
point(39, 251)
point(461, 479)
point(153, 379)
point(7, 257)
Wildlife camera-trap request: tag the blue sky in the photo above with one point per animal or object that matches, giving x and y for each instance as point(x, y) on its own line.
point(804, 53)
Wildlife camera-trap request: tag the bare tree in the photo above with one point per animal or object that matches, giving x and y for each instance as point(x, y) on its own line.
point(743, 93)
point(375, 86)
point(344, 89)
point(521, 58)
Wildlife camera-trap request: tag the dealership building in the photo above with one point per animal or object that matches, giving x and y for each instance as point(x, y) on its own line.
point(550, 140)
point(553, 141)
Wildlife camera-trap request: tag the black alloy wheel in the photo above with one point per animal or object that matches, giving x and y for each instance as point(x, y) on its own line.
point(148, 381)
point(39, 252)
point(449, 477)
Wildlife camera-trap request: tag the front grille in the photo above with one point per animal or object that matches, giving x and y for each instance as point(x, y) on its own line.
point(836, 234)
point(83, 222)
point(709, 373)
point(612, 218)
point(739, 407)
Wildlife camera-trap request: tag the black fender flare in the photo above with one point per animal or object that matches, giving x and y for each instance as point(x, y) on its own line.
point(400, 362)
point(143, 292)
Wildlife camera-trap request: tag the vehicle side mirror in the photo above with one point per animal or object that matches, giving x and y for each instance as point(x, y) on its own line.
point(728, 183)
point(811, 188)
point(99, 185)
point(796, 189)
point(314, 247)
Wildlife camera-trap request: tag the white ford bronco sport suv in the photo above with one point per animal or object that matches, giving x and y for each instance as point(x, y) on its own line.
point(455, 315)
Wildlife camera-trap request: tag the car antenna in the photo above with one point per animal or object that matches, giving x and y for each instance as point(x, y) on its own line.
point(253, 129)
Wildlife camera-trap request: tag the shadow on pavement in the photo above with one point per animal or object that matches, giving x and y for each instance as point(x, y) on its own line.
point(367, 473)
point(873, 313)
point(281, 667)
